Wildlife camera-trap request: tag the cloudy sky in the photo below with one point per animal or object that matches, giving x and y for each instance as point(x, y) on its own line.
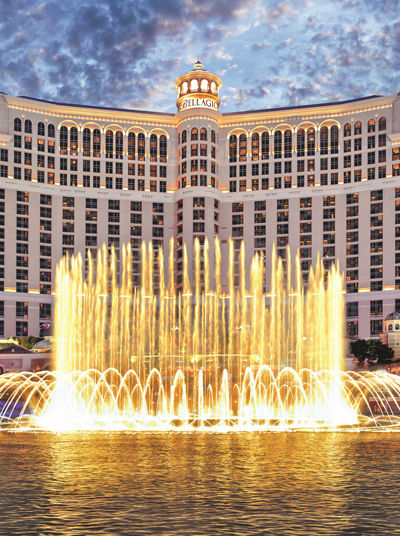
point(127, 53)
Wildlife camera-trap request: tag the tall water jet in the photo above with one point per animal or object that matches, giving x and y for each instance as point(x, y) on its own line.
point(198, 357)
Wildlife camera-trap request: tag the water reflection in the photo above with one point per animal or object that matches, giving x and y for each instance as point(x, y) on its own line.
point(199, 484)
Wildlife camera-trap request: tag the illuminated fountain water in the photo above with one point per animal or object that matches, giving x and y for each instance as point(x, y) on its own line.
point(154, 358)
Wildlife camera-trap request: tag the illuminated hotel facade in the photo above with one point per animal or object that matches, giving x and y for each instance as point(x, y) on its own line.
point(324, 179)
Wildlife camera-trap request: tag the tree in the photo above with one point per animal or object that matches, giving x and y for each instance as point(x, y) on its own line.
point(29, 342)
point(372, 350)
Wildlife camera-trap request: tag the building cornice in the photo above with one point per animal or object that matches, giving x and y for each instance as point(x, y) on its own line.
point(312, 113)
point(92, 114)
point(304, 113)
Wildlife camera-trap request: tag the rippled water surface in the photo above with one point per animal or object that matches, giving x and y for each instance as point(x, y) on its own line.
point(200, 484)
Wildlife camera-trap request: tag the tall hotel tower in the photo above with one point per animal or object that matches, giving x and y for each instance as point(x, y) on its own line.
point(323, 178)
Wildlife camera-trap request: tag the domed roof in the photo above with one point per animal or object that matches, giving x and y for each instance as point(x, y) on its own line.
point(198, 66)
point(393, 316)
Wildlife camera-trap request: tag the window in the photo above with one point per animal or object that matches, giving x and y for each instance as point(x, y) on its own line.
point(109, 144)
point(86, 142)
point(376, 308)
point(376, 327)
point(287, 143)
point(300, 143)
point(96, 143)
point(63, 140)
point(278, 144)
point(324, 140)
point(382, 123)
point(194, 135)
point(352, 309)
point(163, 148)
point(357, 128)
point(311, 141)
point(118, 145)
point(255, 146)
point(334, 139)
point(232, 148)
point(21, 309)
point(242, 147)
point(376, 273)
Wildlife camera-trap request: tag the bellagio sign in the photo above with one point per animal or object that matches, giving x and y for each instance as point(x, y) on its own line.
point(189, 102)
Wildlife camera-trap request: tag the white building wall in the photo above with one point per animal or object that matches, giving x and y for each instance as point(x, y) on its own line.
point(217, 200)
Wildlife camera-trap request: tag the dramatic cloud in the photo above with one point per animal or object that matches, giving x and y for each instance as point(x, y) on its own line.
point(127, 53)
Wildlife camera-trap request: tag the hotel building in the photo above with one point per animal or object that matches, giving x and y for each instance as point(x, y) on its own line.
point(323, 178)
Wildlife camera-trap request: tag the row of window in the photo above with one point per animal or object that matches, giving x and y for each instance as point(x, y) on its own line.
point(196, 134)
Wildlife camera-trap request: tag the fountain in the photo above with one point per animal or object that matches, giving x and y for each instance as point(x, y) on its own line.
point(152, 358)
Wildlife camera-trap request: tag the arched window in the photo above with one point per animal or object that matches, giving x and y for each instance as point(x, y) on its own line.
point(204, 85)
point(51, 131)
point(265, 145)
point(28, 126)
point(324, 140)
point(194, 85)
point(86, 139)
point(382, 123)
point(242, 147)
point(73, 140)
point(347, 130)
point(17, 124)
point(40, 129)
point(334, 139)
point(63, 140)
point(287, 143)
point(184, 87)
point(232, 148)
point(371, 125)
point(255, 146)
point(357, 128)
point(163, 148)
point(131, 145)
point(119, 145)
point(153, 148)
point(278, 144)
point(203, 134)
point(213, 136)
point(194, 134)
point(109, 144)
point(96, 143)
point(184, 136)
point(301, 142)
point(311, 141)
point(141, 146)
point(213, 87)
point(390, 327)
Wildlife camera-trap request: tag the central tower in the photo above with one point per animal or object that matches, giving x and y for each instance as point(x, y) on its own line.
point(198, 89)
point(198, 197)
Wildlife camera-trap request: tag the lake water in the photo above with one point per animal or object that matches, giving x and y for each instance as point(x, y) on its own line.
point(199, 484)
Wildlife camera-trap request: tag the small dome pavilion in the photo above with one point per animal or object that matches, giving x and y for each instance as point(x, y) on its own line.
point(391, 332)
point(198, 88)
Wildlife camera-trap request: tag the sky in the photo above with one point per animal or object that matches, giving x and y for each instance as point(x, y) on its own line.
point(128, 53)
